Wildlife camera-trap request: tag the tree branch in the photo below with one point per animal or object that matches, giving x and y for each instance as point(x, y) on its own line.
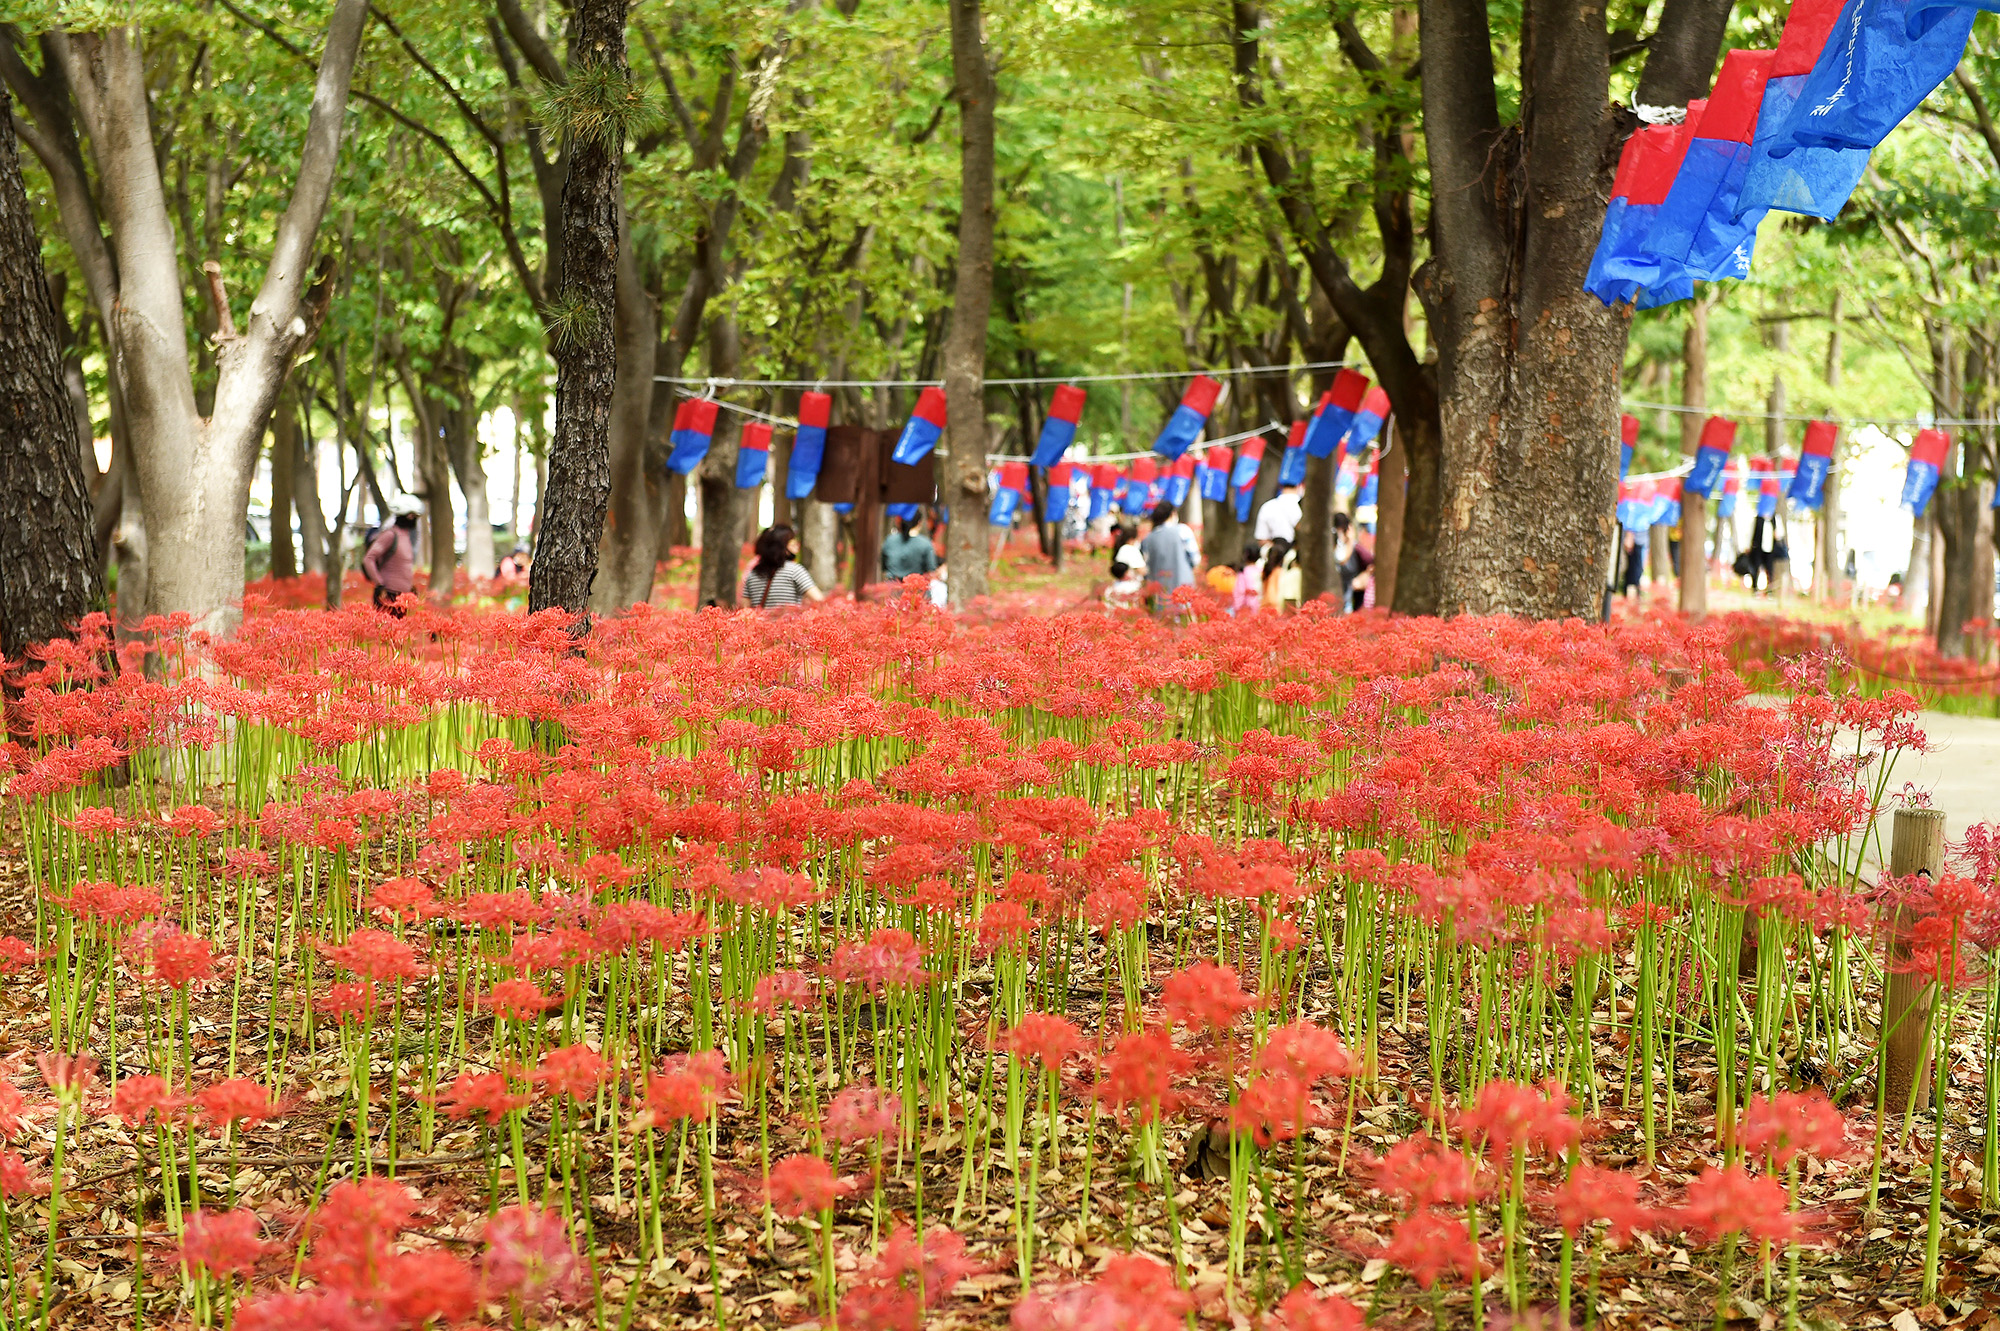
point(1981, 113)
point(546, 66)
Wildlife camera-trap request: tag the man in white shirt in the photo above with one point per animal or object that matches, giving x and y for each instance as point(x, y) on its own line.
point(1279, 517)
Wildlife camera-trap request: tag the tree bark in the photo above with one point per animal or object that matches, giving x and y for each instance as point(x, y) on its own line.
point(1390, 506)
point(284, 455)
point(631, 549)
point(468, 463)
point(49, 575)
point(582, 340)
point(193, 475)
point(313, 550)
point(1694, 507)
point(1528, 362)
point(721, 502)
point(964, 488)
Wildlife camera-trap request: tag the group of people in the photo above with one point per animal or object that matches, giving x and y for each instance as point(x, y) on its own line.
point(1266, 577)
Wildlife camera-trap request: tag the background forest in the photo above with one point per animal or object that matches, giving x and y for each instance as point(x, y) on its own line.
point(1177, 187)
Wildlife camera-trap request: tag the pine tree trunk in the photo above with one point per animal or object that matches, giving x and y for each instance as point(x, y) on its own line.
point(48, 558)
point(964, 488)
point(305, 494)
point(582, 339)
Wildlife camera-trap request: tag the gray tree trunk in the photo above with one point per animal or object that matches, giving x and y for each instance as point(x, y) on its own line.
point(1694, 508)
point(631, 549)
point(964, 470)
point(284, 464)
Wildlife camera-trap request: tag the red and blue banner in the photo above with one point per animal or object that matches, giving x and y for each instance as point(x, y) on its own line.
point(1772, 182)
point(1212, 477)
point(1243, 478)
point(1732, 485)
point(808, 445)
point(694, 431)
point(1698, 224)
point(1879, 61)
point(1368, 418)
point(1178, 481)
point(1190, 418)
point(923, 429)
point(1336, 413)
point(1009, 496)
point(1103, 487)
point(1371, 485)
point(1718, 436)
point(1808, 487)
point(1060, 475)
point(1625, 267)
point(1292, 466)
point(1635, 504)
point(1139, 479)
point(1059, 426)
point(753, 455)
point(1927, 458)
point(1628, 441)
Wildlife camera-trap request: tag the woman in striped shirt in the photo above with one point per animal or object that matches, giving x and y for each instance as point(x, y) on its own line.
point(777, 580)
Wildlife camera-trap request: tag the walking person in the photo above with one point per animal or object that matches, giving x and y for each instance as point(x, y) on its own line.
point(1169, 552)
point(777, 580)
point(390, 561)
point(1278, 519)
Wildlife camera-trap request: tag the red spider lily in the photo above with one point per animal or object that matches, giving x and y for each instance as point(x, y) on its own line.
point(16, 1179)
point(375, 956)
point(862, 1113)
point(1591, 1194)
point(143, 1097)
point(1134, 1293)
point(804, 1185)
point(891, 1293)
point(348, 1001)
point(1509, 1117)
point(1423, 1174)
point(222, 1242)
point(1790, 1123)
point(68, 1075)
point(12, 1104)
point(406, 899)
point(1307, 1309)
point(1428, 1245)
point(1732, 1201)
point(690, 1086)
point(315, 1310)
point(15, 954)
point(1274, 1107)
point(785, 988)
point(574, 1070)
point(1139, 1075)
point(172, 959)
point(1935, 952)
point(482, 1095)
point(519, 1000)
point(354, 1234)
point(531, 1257)
point(1205, 997)
point(237, 1100)
point(1044, 1038)
point(1307, 1051)
point(108, 904)
point(889, 959)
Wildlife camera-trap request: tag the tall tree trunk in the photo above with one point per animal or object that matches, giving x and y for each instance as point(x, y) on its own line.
point(1529, 362)
point(431, 412)
point(631, 549)
point(721, 502)
point(194, 474)
point(1917, 577)
point(1965, 521)
point(284, 465)
point(1829, 567)
point(582, 340)
point(49, 575)
point(1391, 506)
point(964, 488)
point(305, 492)
point(468, 464)
point(1694, 507)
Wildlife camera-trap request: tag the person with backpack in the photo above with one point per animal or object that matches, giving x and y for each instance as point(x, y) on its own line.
point(389, 560)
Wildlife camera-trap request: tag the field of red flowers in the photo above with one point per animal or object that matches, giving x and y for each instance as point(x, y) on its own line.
point(879, 968)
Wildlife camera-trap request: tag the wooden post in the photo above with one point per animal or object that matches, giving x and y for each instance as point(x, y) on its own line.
point(1916, 847)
